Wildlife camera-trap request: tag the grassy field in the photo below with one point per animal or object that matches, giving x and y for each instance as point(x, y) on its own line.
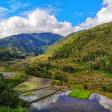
point(78, 93)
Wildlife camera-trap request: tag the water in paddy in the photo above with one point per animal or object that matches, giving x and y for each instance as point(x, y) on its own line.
point(62, 103)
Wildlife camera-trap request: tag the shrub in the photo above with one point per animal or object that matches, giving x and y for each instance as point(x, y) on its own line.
point(107, 88)
point(57, 82)
point(40, 69)
point(19, 78)
point(8, 97)
point(68, 69)
point(8, 109)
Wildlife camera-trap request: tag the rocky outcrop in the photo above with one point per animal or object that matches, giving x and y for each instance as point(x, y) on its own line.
point(102, 100)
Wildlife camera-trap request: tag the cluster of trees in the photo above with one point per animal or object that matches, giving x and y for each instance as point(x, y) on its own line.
point(40, 69)
point(102, 63)
point(9, 101)
point(107, 88)
point(44, 70)
point(8, 109)
point(8, 97)
point(7, 54)
point(88, 46)
point(19, 78)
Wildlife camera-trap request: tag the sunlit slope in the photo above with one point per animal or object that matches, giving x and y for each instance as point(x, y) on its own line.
point(85, 45)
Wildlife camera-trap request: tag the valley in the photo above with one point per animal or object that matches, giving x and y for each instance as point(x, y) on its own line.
point(76, 70)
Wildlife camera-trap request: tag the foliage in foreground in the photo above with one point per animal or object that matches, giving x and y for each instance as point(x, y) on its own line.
point(19, 78)
point(8, 109)
point(8, 96)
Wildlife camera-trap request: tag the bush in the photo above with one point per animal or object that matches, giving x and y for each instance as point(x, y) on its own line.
point(8, 109)
point(39, 70)
point(103, 63)
point(61, 77)
point(8, 97)
point(95, 65)
point(107, 88)
point(68, 69)
point(108, 67)
point(57, 82)
point(19, 78)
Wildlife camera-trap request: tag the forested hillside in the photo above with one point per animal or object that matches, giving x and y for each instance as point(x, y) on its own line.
point(9, 54)
point(29, 44)
point(93, 47)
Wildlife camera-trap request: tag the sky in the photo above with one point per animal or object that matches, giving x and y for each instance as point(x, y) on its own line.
point(57, 16)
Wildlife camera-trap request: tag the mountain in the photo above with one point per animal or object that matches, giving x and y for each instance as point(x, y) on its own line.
point(80, 51)
point(29, 44)
point(83, 43)
point(92, 46)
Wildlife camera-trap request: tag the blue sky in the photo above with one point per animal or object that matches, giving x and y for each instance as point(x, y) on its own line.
point(56, 16)
point(74, 11)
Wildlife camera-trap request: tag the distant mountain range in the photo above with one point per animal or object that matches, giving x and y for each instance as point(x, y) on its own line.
point(29, 44)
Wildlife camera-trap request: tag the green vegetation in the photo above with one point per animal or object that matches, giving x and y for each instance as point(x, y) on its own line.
point(80, 76)
point(19, 78)
point(8, 97)
point(57, 82)
point(8, 109)
point(9, 100)
point(7, 54)
point(92, 47)
point(81, 60)
point(107, 88)
point(78, 93)
point(29, 44)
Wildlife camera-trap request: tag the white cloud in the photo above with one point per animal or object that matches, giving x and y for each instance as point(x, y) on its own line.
point(104, 15)
point(43, 21)
point(36, 21)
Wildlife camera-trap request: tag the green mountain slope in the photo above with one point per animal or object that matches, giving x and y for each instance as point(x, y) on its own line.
point(29, 44)
point(81, 44)
point(93, 46)
point(80, 60)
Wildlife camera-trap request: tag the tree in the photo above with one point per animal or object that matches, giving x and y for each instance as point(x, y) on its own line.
point(8, 97)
